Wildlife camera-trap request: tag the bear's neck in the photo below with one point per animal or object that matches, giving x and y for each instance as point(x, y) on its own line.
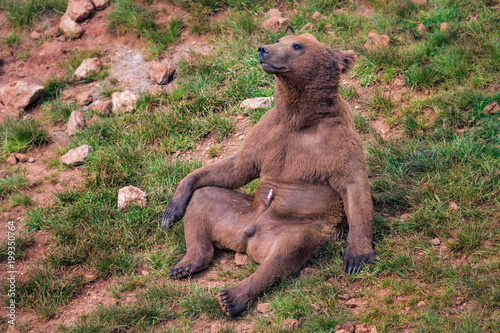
point(302, 105)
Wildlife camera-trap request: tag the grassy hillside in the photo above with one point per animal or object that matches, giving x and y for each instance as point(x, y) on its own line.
point(437, 175)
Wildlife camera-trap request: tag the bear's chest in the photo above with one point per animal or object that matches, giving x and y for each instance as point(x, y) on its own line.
point(301, 156)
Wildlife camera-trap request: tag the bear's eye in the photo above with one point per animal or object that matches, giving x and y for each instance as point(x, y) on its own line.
point(278, 41)
point(297, 47)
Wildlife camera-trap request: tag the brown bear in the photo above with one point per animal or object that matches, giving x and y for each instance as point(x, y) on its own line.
point(312, 170)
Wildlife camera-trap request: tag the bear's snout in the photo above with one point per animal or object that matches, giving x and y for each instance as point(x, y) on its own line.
point(262, 52)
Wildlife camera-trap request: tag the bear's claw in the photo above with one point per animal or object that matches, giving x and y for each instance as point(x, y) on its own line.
point(230, 303)
point(354, 263)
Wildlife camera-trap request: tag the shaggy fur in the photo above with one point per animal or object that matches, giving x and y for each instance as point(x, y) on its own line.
point(312, 171)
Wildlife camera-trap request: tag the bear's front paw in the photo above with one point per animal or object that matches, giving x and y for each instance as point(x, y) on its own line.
point(173, 213)
point(354, 260)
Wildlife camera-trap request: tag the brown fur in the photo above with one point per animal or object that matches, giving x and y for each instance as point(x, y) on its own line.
point(310, 161)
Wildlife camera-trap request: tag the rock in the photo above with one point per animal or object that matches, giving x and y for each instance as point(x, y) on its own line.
point(75, 122)
point(76, 156)
point(22, 158)
point(291, 324)
point(61, 38)
point(435, 241)
point(102, 107)
point(275, 24)
point(365, 328)
point(273, 13)
point(419, 2)
point(346, 327)
point(444, 27)
point(52, 32)
point(79, 10)
point(256, 103)
point(421, 28)
point(123, 101)
point(421, 304)
point(161, 73)
point(240, 259)
point(491, 108)
point(88, 66)
point(31, 160)
point(19, 94)
point(3, 173)
point(309, 27)
point(69, 27)
point(452, 206)
point(12, 159)
point(376, 41)
point(131, 196)
point(264, 307)
point(35, 35)
point(317, 16)
point(84, 98)
point(100, 4)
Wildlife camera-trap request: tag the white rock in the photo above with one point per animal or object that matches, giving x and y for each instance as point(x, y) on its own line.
point(22, 158)
point(88, 66)
point(123, 101)
point(75, 122)
point(256, 103)
point(131, 196)
point(12, 160)
point(70, 28)
point(77, 155)
point(79, 10)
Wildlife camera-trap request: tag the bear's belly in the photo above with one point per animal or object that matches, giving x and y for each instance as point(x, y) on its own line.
point(298, 201)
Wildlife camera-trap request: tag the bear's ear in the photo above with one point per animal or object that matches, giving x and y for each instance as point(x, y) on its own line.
point(347, 60)
point(309, 36)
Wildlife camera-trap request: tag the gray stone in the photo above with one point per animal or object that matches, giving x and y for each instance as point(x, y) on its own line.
point(491, 108)
point(124, 101)
point(87, 67)
point(240, 259)
point(76, 156)
point(75, 122)
point(52, 32)
point(131, 196)
point(256, 103)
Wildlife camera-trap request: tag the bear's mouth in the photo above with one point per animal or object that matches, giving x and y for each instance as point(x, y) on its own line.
point(271, 69)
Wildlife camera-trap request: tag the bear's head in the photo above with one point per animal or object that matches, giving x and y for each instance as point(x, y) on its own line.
point(304, 59)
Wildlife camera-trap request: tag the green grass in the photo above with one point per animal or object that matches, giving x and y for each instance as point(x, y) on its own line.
point(58, 112)
point(17, 135)
point(12, 39)
point(444, 149)
point(23, 14)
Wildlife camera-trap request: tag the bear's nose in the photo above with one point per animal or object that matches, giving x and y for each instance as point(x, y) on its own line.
point(263, 52)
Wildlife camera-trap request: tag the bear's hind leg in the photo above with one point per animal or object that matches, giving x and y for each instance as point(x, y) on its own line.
point(292, 248)
point(211, 212)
